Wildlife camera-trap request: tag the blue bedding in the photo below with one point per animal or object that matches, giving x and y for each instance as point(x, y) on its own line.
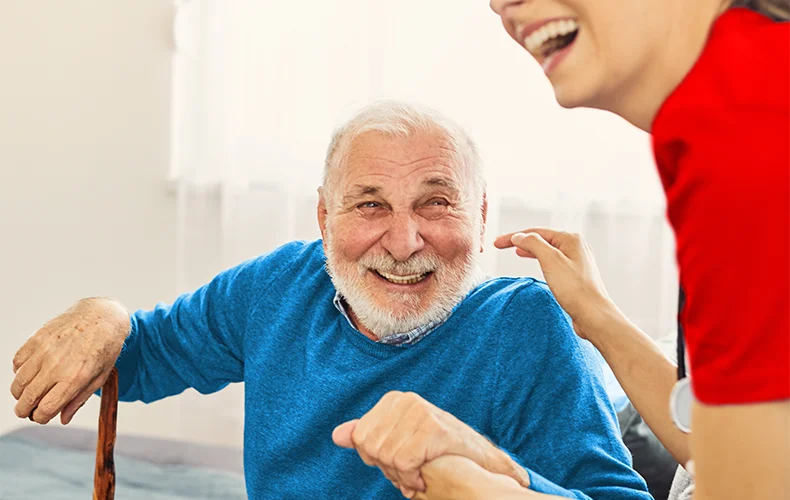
point(31, 469)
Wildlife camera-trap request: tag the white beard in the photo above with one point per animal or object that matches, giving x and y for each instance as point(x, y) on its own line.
point(452, 284)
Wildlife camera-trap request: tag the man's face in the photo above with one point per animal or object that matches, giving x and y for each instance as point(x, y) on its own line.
point(401, 230)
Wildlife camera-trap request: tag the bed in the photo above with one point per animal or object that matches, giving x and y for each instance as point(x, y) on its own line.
point(57, 463)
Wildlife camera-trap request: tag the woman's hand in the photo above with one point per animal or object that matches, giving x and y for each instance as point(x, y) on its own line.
point(644, 372)
point(570, 271)
point(452, 477)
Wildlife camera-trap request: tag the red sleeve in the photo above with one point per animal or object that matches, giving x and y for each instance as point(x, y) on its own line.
point(724, 156)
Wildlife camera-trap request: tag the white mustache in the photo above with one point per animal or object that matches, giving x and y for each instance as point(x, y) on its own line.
point(417, 264)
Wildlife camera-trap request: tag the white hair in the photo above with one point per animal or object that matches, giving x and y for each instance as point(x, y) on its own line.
point(400, 119)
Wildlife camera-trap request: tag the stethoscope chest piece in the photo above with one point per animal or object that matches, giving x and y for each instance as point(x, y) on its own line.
point(680, 402)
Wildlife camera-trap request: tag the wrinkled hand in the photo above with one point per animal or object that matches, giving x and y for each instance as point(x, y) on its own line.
point(570, 270)
point(403, 431)
point(451, 477)
point(68, 359)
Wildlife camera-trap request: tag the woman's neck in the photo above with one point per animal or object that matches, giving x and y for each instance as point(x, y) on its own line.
point(685, 42)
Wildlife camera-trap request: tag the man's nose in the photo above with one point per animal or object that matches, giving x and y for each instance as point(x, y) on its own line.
point(501, 6)
point(403, 239)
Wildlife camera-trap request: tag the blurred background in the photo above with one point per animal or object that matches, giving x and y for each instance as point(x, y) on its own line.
point(146, 145)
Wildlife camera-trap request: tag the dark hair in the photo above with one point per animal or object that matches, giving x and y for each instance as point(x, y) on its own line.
point(778, 10)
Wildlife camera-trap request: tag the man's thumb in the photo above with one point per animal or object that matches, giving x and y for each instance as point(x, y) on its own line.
point(342, 434)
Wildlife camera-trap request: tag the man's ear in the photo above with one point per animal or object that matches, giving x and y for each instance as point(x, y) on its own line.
point(484, 219)
point(321, 213)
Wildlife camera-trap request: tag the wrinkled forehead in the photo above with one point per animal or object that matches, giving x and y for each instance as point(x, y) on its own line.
point(390, 158)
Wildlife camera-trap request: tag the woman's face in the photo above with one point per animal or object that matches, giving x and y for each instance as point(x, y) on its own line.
point(594, 52)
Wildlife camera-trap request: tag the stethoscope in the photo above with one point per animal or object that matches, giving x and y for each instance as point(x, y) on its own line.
point(682, 397)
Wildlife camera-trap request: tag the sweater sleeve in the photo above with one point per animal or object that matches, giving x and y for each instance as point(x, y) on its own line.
point(198, 341)
point(555, 417)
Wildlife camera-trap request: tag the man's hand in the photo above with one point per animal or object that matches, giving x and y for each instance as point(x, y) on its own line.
point(68, 359)
point(403, 432)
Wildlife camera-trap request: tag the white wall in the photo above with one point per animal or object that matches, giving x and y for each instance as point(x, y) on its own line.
point(84, 149)
point(276, 88)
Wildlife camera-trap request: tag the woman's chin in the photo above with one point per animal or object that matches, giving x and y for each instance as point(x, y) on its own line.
point(570, 98)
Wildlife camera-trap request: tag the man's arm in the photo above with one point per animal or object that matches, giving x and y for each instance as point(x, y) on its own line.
point(196, 342)
point(551, 410)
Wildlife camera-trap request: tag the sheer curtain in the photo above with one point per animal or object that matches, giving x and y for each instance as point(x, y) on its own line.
point(258, 87)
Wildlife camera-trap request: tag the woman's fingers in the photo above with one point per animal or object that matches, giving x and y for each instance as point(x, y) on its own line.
point(570, 244)
point(525, 254)
point(535, 246)
point(506, 240)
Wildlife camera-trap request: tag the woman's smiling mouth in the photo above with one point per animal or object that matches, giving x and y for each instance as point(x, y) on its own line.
point(548, 39)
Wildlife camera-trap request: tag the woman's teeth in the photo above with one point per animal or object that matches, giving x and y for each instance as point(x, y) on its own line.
point(537, 39)
point(403, 280)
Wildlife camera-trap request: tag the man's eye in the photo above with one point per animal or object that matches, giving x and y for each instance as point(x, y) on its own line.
point(438, 202)
point(369, 204)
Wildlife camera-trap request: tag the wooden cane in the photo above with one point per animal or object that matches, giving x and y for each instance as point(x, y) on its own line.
point(104, 477)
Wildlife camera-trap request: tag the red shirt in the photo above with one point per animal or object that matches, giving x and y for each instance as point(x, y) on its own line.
point(722, 145)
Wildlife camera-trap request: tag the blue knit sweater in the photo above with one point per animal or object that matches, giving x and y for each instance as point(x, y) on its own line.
point(506, 362)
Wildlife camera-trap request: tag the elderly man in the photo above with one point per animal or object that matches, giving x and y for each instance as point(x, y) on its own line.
point(391, 299)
